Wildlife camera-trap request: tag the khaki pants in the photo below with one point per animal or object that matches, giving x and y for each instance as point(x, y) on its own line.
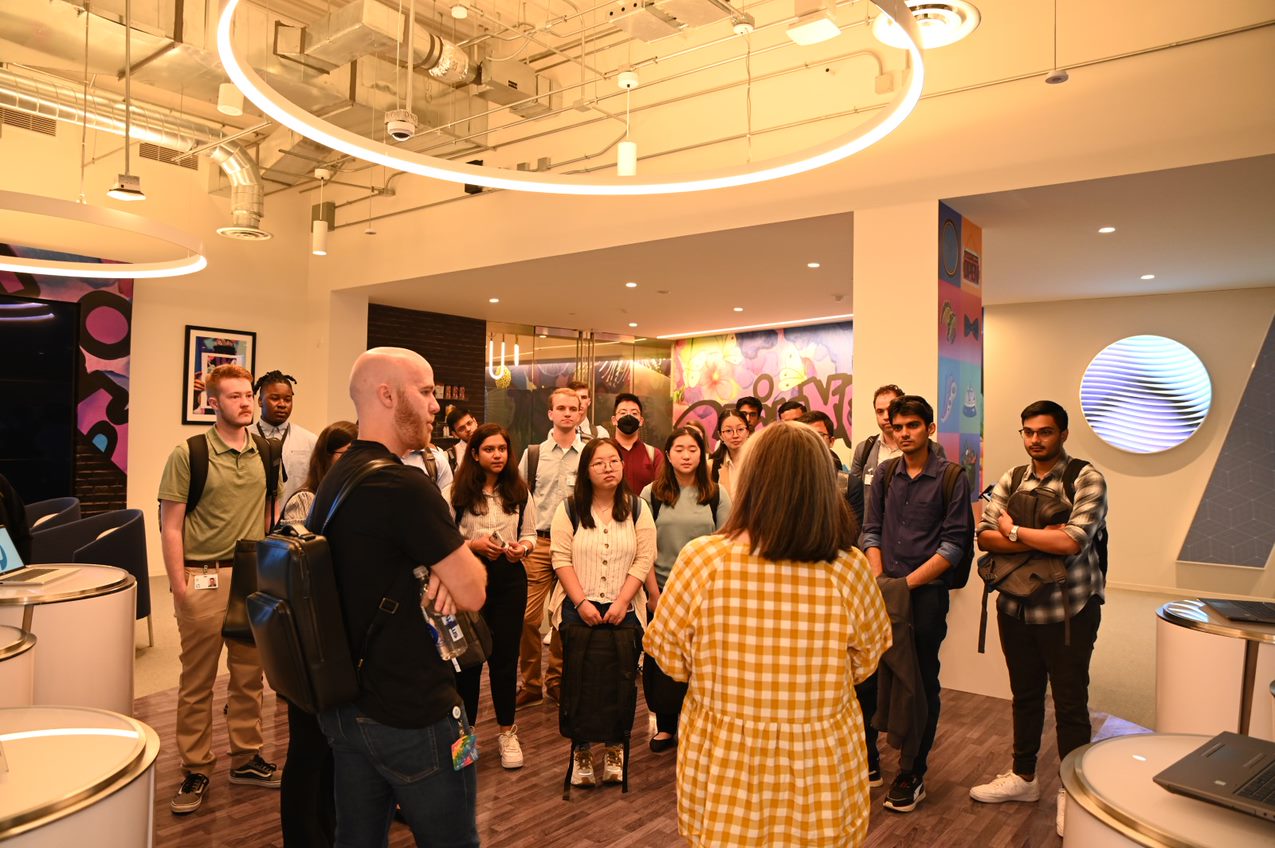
point(540, 580)
point(199, 622)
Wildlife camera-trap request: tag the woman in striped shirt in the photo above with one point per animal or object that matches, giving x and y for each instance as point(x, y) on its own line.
point(601, 565)
point(497, 515)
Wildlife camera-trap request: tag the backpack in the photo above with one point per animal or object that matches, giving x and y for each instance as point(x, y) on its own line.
point(860, 457)
point(635, 511)
point(271, 459)
point(656, 503)
point(1070, 473)
point(533, 461)
point(295, 614)
point(599, 688)
point(959, 574)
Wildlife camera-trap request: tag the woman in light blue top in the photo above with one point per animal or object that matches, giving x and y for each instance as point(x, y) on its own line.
point(685, 504)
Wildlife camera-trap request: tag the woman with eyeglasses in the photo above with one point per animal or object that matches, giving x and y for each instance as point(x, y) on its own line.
point(685, 504)
point(330, 446)
point(497, 516)
point(732, 432)
point(772, 622)
point(603, 545)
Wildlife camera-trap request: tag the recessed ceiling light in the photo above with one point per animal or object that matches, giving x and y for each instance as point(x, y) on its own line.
point(630, 285)
point(739, 309)
point(493, 300)
point(632, 323)
point(812, 264)
point(1105, 230)
point(1147, 277)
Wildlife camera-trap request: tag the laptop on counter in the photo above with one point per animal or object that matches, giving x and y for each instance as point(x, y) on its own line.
point(1229, 770)
point(14, 572)
point(1257, 612)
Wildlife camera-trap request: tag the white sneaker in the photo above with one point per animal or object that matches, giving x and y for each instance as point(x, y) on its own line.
point(614, 769)
point(1006, 787)
point(1062, 807)
point(510, 750)
point(582, 771)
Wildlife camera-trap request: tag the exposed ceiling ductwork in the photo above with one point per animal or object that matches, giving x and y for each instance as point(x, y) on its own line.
point(63, 102)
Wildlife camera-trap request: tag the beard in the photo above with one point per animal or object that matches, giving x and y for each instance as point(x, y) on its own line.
point(409, 424)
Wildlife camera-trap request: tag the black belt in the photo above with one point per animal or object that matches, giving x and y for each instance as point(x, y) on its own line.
point(543, 534)
point(212, 563)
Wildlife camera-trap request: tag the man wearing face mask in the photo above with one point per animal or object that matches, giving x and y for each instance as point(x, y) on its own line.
point(641, 461)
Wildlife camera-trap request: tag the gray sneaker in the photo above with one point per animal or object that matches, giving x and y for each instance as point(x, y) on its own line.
point(190, 794)
point(257, 772)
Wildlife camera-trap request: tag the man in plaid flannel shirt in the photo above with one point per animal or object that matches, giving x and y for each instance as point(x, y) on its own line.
point(1032, 631)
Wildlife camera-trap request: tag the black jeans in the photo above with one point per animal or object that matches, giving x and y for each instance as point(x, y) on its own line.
point(504, 610)
point(866, 692)
point(929, 628)
point(307, 805)
point(1036, 655)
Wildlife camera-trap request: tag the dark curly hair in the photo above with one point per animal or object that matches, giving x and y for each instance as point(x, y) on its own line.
point(272, 377)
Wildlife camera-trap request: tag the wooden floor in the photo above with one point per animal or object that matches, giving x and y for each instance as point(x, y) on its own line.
point(524, 808)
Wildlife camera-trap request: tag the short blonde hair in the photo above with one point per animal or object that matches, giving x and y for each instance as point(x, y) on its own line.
point(785, 499)
point(212, 383)
point(563, 390)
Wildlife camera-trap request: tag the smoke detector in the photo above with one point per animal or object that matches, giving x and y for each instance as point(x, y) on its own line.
point(940, 22)
point(244, 233)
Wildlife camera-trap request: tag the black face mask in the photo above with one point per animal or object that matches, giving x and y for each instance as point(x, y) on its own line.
point(628, 425)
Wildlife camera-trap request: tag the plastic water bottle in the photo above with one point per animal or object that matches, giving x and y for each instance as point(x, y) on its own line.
point(448, 637)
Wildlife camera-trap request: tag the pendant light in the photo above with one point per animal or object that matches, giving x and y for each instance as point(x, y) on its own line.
point(319, 226)
point(127, 186)
point(626, 151)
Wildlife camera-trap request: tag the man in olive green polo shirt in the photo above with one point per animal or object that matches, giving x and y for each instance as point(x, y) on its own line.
point(198, 554)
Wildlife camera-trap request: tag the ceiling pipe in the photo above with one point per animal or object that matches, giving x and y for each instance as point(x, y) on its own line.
point(62, 102)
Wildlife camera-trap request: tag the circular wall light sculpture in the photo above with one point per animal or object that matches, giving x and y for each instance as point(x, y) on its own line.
point(79, 213)
point(280, 109)
point(1145, 394)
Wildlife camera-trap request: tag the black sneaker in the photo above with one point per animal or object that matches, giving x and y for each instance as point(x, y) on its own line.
point(874, 775)
point(257, 772)
point(190, 794)
point(905, 793)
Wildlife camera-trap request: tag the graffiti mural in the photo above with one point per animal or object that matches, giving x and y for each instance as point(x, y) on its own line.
point(810, 364)
point(102, 379)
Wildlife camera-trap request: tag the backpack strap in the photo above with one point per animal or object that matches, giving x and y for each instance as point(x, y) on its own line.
point(198, 446)
point(635, 507)
point(650, 452)
point(431, 463)
point(348, 486)
point(1016, 479)
point(860, 458)
point(451, 459)
point(712, 506)
point(533, 462)
point(951, 474)
point(1070, 473)
point(273, 464)
point(656, 503)
point(715, 473)
point(891, 466)
point(571, 513)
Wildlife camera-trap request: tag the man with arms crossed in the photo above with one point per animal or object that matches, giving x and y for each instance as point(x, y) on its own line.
point(199, 550)
point(1032, 632)
point(557, 459)
point(394, 743)
point(908, 532)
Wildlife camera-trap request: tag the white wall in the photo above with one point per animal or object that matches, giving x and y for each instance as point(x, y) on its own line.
point(1040, 350)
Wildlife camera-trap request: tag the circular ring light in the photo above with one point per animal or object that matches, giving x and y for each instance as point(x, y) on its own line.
point(1145, 394)
point(34, 204)
point(275, 106)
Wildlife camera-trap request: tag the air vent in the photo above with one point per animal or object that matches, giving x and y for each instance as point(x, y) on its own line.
point(168, 156)
point(35, 123)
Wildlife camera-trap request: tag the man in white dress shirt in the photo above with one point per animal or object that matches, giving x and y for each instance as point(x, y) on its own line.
point(275, 396)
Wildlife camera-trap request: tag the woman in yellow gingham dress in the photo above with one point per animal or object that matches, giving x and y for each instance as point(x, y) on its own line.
point(773, 622)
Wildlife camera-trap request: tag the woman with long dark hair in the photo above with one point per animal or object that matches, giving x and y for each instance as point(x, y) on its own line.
point(772, 622)
point(329, 446)
point(732, 432)
point(685, 504)
point(603, 547)
point(497, 515)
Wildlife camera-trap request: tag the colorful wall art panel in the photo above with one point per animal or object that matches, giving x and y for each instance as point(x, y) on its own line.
point(958, 410)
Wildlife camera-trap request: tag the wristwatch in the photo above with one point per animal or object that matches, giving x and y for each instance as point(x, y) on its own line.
point(1013, 533)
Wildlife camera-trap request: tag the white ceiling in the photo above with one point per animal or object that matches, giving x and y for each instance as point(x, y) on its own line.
point(1198, 228)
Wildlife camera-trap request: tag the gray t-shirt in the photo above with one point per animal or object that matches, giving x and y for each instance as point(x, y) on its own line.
point(678, 524)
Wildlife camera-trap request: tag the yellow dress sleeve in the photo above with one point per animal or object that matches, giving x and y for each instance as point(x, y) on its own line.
point(871, 636)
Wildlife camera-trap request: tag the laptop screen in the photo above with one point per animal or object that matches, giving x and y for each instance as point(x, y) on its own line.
point(9, 559)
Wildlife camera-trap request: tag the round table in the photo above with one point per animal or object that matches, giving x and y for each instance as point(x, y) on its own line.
point(76, 776)
point(1113, 801)
point(1198, 650)
point(84, 625)
point(17, 667)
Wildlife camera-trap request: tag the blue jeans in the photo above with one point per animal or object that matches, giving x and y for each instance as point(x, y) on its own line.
point(378, 766)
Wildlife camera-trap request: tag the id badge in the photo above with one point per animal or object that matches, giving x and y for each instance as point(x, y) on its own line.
point(204, 581)
point(464, 749)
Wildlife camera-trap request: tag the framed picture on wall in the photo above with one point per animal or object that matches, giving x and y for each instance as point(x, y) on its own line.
point(206, 348)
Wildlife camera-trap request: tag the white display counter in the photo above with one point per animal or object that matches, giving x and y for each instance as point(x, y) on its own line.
point(83, 624)
point(1112, 801)
point(76, 777)
point(17, 667)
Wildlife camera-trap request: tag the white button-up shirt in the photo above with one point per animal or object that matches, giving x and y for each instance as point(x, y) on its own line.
point(555, 477)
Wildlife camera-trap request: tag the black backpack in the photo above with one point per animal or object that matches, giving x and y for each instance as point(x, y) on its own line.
point(270, 451)
point(1070, 473)
point(959, 574)
point(295, 614)
point(599, 688)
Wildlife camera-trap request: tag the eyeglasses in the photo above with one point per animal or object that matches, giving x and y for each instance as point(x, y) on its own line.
point(735, 431)
point(600, 464)
point(1044, 433)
